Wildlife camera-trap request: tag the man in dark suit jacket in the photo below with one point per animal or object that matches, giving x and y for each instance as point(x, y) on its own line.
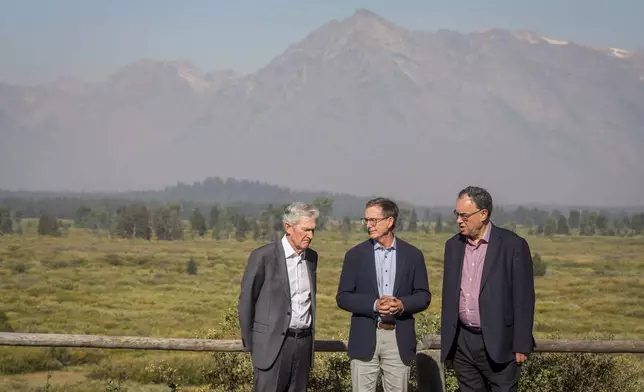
point(488, 299)
point(383, 284)
point(277, 305)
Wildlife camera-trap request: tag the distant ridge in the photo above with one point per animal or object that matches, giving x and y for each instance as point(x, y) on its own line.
point(215, 190)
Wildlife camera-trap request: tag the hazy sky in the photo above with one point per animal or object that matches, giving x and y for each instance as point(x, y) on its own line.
point(41, 40)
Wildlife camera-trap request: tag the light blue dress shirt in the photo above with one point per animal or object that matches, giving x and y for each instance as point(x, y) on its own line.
point(385, 269)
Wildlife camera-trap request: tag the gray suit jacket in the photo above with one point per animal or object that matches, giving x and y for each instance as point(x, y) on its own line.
point(264, 305)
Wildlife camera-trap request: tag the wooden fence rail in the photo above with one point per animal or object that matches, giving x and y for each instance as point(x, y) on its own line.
point(430, 342)
point(432, 378)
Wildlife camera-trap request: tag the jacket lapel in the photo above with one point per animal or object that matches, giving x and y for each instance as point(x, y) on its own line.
point(312, 284)
point(370, 257)
point(400, 254)
point(491, 255)
point(282, 271)
point(459, 254)
point(309, 268)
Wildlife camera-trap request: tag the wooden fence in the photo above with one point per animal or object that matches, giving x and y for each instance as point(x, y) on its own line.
point(430, 378)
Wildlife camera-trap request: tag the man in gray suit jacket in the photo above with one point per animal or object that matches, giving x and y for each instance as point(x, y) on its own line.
point(277, 305)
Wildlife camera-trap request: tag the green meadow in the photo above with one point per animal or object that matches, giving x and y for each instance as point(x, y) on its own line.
point(82, 284)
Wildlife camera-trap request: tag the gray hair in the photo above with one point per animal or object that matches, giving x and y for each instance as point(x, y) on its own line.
point(297, 210)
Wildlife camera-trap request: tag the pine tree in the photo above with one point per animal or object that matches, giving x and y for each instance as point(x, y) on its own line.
point(562, 226)
point(426, 216)
point(48, 225)
point(257, 231)
point(551, 226)
point(82, 215)
point(413, 221)
point(574, 219)
point(346, 228)
point(168, 225)
point(325, 207)
point(6, 223)
point(198, 223)
point(242, 227)
point(214, 217)
point(133, 221)
point(439, 225)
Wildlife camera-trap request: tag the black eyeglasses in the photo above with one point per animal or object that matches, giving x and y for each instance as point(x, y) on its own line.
point(466, 216)
point(373, 221)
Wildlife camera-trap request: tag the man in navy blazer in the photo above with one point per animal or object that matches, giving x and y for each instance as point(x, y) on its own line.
point(488, 299)
point(383, 284)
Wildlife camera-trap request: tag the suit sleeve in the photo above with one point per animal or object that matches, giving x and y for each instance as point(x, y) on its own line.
point(251, 286)
point(524, 298)
point(347, 298)
point(446, 254)
point(420, 297)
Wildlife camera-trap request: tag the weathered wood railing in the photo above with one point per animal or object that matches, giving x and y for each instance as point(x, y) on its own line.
point(430, 379)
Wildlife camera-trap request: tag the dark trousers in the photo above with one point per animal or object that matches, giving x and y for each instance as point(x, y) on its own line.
point(474, 369)
point(290, 372)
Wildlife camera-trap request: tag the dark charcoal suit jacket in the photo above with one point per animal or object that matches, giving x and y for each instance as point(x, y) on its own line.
point(506, 299)
point(358, 290)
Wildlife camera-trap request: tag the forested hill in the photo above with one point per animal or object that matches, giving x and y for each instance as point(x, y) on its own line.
point(249, 196)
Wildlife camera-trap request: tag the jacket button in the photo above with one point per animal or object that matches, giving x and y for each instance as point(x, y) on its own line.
point(288, 313)
point(283, 333)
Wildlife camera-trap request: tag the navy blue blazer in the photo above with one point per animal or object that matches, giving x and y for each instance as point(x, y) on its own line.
point(358, 290)
point(506, 299)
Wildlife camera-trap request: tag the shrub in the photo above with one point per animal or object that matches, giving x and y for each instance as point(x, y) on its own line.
point(539, 266)
point(5, 325)
point(542, 373)
point(57, 264)
point(19, 268)
point(578, 372)
point(188, 369)
point(233, 372)
point(191, 267)
point(18, 360)
point(49, 225)
point(113, 259)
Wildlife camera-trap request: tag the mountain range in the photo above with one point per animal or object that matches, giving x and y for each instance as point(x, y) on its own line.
point(361, 106)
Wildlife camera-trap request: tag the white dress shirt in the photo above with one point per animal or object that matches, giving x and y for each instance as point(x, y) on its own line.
point(300, 285)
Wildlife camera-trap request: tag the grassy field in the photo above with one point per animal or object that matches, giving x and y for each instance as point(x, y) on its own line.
point(88, 285)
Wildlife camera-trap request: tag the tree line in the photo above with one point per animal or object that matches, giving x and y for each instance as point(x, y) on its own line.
point(165, 222)
point(590, 223)
point(168, 221)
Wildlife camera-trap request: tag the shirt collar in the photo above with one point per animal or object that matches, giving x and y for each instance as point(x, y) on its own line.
point(486, 236)
point(376, 245)
point(289, 252)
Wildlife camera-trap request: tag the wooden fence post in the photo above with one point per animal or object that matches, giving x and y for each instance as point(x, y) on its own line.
point(430, 371)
